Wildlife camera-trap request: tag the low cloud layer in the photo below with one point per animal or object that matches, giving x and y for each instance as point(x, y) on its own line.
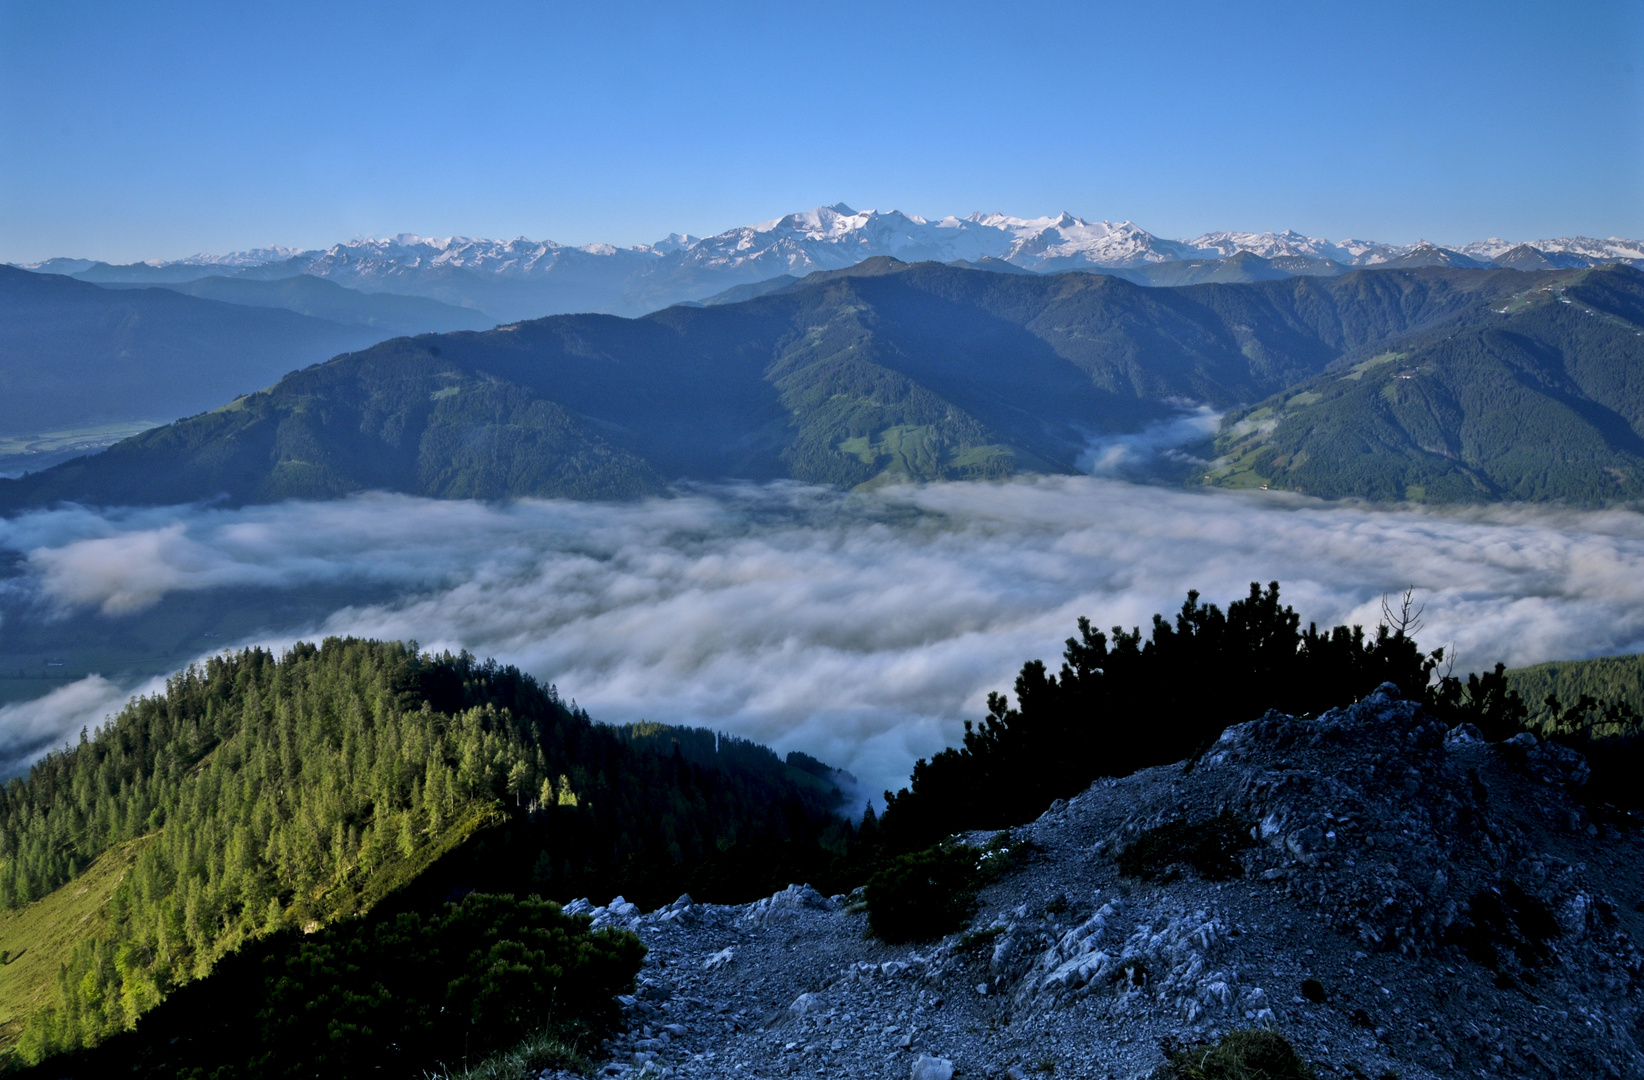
point(28, 728)
point(862, 628)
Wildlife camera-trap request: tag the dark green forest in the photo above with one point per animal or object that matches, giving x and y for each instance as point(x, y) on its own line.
point(1617, 679)
point(73, 354)
point(262, 792)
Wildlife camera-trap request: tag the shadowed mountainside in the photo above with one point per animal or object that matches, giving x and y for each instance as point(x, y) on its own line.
point(74, 354)
point(390, 314)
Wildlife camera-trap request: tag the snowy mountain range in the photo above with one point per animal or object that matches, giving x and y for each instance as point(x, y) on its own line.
point(521, 278)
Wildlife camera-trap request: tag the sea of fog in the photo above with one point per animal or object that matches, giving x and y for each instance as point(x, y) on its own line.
point(863, 628)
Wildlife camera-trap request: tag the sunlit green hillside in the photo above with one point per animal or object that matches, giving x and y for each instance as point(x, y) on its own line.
point(261, 792)
point(1537, 396)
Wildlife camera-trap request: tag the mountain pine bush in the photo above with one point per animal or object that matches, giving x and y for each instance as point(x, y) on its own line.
point(1128, 702)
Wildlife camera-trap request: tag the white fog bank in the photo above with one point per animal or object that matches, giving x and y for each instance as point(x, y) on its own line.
point(861, 628)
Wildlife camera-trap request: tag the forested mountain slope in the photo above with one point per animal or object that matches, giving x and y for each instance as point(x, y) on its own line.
point(1605, 679)
point(1242, 266)
point(260, 792)
point(1539, 397)
point(73, 354)
point(881, 371)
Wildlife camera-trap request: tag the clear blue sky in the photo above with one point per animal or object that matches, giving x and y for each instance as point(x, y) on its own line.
point(154, 130)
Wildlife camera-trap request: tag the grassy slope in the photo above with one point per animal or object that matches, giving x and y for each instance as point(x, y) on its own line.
point(20, 453)
point(38, 938)
point(1536, 397)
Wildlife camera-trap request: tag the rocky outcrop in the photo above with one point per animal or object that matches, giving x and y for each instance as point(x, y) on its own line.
point(1389, 894)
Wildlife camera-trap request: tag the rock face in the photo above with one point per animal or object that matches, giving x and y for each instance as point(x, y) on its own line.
point(1394, 896)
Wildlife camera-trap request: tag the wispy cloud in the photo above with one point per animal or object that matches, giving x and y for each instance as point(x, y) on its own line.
point(1159, 448)
point(30, 728)
point(862, 628)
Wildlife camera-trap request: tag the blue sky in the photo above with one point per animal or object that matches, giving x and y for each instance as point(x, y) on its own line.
point(155, 130)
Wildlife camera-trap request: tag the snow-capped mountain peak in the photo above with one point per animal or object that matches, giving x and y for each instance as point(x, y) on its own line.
point(673, 242)
point(252, 257)
point(1584, 246)
point(635, 279)
point(839, 235)
point(1289, 243)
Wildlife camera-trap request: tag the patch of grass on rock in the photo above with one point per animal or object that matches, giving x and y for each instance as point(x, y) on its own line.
point(1210, 847)
point(977, 940)
point(547, 1049)
point(1004, 855)
point(1254, 1054)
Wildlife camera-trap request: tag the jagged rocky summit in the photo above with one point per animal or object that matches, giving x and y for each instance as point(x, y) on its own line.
point(1395, 897)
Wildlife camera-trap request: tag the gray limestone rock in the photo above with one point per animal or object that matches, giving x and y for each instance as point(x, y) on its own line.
point(931, 1068)
point(1449, 906)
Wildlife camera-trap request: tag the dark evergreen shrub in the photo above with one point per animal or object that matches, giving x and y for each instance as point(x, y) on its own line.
point(479, 976)
point(1132, 700)
point(923, 895)
point(395, 997)
point(1504, 922)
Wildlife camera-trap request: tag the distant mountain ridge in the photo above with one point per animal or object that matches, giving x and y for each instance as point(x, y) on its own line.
point(73, 354)
point(391, 314)
point(879, 372)
point(521, 278)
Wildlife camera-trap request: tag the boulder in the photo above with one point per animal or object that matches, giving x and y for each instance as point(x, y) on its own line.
point(793, 898)
point(931, 1068)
